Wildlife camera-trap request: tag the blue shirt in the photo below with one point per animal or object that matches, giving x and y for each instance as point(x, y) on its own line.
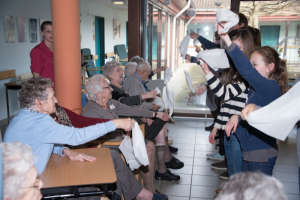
point(45, 136)
point(143, 83)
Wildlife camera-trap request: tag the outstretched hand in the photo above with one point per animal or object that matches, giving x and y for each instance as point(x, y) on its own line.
point(77, 156)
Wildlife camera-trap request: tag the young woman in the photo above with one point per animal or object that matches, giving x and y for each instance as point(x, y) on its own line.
point(42, 55)
point(232, 91)
point(267, 75)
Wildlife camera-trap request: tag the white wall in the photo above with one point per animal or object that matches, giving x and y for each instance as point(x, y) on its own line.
point(16, 55)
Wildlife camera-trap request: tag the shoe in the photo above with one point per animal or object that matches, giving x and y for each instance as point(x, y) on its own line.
point(224, 175)
point(217, 146)
point(158, 192)
point(220, 165)
point(209, 128)
point(173, 149)
point(215, 156)
point(166, 176)
point(218, 191)
point(159, 197)
point(174, 163)
point(171, 121)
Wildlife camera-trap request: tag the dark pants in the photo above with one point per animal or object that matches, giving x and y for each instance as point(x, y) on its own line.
point(221, 142)
point(264, 167)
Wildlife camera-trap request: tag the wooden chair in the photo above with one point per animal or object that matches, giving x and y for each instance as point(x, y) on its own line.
point(7, 74)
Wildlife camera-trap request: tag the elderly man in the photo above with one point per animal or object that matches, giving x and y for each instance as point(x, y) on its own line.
point(130, 68)
point(34, 126)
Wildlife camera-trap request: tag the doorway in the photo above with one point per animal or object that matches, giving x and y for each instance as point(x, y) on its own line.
point(99, 40)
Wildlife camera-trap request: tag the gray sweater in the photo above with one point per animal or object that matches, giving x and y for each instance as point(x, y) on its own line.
point(116, 109)
point(133, 86)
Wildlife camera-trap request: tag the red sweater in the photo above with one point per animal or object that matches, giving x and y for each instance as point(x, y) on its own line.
point(79, 121)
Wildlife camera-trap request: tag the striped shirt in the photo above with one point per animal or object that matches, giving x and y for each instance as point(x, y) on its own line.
point(233, 97)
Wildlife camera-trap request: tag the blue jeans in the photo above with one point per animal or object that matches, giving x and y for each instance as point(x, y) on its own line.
point(233, 153)
point(264, 167)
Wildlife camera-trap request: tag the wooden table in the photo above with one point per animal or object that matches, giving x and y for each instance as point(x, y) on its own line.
point(16, 85)
point(62, 172)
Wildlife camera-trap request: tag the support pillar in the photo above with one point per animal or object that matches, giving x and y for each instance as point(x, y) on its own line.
point(66, 52)
point(134, 27)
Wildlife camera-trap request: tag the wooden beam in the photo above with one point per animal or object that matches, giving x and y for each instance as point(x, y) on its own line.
point(134, 25)
point(235, 6)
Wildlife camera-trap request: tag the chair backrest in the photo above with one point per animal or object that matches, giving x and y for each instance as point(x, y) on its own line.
point(86, 51)
point(7, 74)
point(120, 50)
point(90, 63)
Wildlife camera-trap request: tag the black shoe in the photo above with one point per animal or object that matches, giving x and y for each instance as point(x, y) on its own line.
point(159, 197)
point(220, 165)
point(174, 163)
point(115, 196)
point(224, 175)
point(210, 128)
point(173, 149)
point(166, 176)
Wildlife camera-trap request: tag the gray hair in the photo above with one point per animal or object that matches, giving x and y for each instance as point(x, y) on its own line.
point(130, 68)
point(109, 67)
point(252, 185)
point(137, 59)
point(143, 66)
point(92, 87)
point(18, 159)
point(34, 88)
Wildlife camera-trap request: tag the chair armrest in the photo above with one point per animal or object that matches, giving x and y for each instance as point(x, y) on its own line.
point(126, 59)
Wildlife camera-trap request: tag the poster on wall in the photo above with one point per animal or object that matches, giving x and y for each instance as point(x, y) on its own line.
point(117, 29)
point(33, 30)
point(9, 23)
point(21, 29)
point(41, 21)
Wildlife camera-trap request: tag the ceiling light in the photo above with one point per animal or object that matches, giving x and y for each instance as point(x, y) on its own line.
point(192, 12)
point(218, 2)
point(167, 2)
point(118, 2)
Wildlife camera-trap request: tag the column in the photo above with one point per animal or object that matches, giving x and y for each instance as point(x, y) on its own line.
point(66, 52)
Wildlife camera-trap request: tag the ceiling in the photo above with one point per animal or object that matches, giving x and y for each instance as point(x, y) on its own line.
point(108, 4)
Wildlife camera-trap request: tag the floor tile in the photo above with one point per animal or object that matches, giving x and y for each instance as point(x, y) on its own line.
point(205, 171)
point(203, 147)
point(204, 162)
point(286, 168)
point(184, 146)
point(202, 154)
point(157, 185)
point(293, 196)
point(202, 140)
point(291, 188)
point(184, 141)
point(178, 198)
point(176, 190)
point(286, 177)
point(203, 192)
point(284, 160)
point(185, 179)
point(211, 181)
point(185, 160)
point(185, 153)
point(185, 170)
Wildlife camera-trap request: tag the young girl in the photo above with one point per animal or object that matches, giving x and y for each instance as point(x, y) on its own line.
point(233, 93)
point(267, 75)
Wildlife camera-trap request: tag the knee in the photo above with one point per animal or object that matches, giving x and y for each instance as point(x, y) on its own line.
point(150, 148)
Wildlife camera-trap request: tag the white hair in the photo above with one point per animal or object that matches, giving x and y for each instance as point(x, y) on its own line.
point(18, 159)
point(136, 59)
point(143, 66)
point(92, 87)
point(109, 67)
point(250, 186)
point(130, 68)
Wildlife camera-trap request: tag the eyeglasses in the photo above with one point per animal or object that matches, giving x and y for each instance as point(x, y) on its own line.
point(36, 184)
point(106, 87)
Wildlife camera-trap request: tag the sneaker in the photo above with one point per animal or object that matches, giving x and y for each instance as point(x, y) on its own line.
point(173, 149)
point(220, 165)
point(209, 128)
point(168, 175)
point(224, 175)
point(174, 163)
point(215, 156)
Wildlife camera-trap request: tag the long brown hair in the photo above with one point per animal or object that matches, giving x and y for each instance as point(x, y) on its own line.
point(279, 73)
point(231, 75)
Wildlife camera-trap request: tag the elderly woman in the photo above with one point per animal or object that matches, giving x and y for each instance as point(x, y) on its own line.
point(20, 177)
point(101, 105)
point(34, 126)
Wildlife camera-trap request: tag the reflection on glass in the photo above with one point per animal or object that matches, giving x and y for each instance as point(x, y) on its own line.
point(163, 42)
point(154, 41)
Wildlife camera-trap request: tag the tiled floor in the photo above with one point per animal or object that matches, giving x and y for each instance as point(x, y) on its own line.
point(199, 181)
